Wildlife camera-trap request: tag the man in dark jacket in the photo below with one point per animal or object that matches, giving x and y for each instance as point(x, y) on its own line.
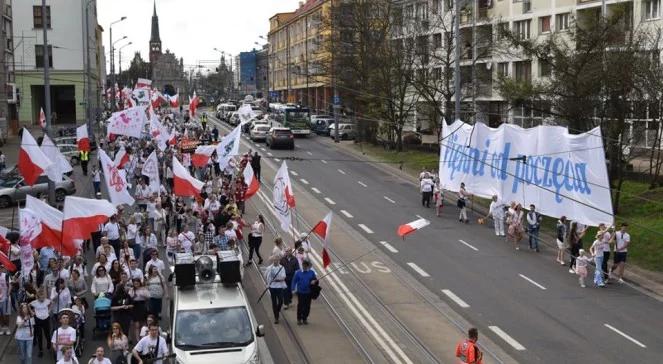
point(255, 164)
point(290, 265)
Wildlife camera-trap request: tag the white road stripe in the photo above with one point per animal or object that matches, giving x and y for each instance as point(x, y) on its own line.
point(530, 280)
point(309, 153)
point(270, 154)
point(388, 199)
point(303, 181)
point(636, 342)
point(366, 229)
point(263, 149)
point(455, 298)
point(347, 214)
point(362, 184)
point(294, 173)
point(469, 245)
point(419, 216)
point(315, 190)
point(389, 247)
point(330, 201)
point(323, 161)
point(341, 171)
point(511, 341)
point(277, 160)
point(418, 269)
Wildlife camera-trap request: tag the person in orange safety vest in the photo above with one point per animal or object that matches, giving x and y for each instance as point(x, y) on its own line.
point(467, 351)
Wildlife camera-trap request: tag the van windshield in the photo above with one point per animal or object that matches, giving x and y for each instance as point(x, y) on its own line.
point(213, 328)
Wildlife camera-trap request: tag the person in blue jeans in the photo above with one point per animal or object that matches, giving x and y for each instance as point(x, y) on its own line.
point(533, 226)
point(301, 284)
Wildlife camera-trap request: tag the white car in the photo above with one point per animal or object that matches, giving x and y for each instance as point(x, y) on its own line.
point(259, 132)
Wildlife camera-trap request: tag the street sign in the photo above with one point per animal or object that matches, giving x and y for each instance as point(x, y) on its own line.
point(337, 100)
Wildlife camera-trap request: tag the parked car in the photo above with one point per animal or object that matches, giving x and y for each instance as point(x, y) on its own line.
point(345, 131)
point(71, 141)
point(259, 132)
point(234, 119)
point(280, 137)
point(14, 189)
point(70, 151)
point(321, 125)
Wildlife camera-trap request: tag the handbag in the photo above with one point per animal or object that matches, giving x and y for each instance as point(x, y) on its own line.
point(460, 203)
point(315, 291)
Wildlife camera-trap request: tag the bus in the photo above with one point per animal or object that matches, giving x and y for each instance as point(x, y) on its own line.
point(298, 119)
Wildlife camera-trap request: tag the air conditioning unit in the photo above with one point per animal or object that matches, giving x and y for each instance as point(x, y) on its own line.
point(12, 93)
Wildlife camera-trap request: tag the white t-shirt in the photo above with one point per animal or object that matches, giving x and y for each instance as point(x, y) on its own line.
point(148, 345)
point(158, 263)
point(102, 361)
point(621, 239)
point(427, 185)
point(63, 337)
point(24, 328)
point(73, 360)
point(112, 231)
point(41, 308)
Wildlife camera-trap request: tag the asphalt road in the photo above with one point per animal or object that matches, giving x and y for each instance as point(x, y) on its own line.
point(521, 299)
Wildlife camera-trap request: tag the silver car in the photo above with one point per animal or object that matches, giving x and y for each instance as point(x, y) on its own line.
point(13, 189)
point(70, 151)
point(259, 132)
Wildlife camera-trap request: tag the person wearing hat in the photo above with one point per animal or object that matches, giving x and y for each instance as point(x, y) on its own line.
point(581, 263)
point(301, 284)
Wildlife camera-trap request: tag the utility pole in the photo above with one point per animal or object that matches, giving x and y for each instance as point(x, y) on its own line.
point(112, 66)
point(457, 91)
point(88, 77)
point(47, 90)
point(475, 56)
point(336, 101)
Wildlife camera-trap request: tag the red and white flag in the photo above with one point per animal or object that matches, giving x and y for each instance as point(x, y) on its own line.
point(5, 262)
point(283, 199)
point(174, 100)
point(251, 182)
point(202, 155)
point(121, 158)
point(128, 122)
point(82, 217)
point(116, 182)
point(151, 170)
point(143, 83)
point(60, 164)
point(50, 220)
point(172, 138)
point(82, 138)
point(322, 230)
point(411, 227)
point(157, 98)
point(4, 243)
point(193, 104)
point(32, 162)
point(183, 183)
point(42, 118)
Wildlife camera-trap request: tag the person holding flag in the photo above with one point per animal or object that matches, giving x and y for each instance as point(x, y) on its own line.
point(275, 277)
point(301, 285)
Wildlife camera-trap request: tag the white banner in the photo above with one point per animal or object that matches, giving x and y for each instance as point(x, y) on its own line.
point(560, 173)
point(283, 199)
point(228, 147)
point(151, 170)
point(116, 182)
point(128, 122)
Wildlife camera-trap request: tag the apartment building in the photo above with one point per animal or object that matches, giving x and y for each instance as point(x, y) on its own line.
point(67, 45)
point(430, 22)
point(296, 55)
point(8, 94)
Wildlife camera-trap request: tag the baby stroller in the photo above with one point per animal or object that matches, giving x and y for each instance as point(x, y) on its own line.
point(102, 315)
point(75, 321)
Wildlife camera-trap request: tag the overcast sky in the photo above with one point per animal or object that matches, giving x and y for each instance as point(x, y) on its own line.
point(190, 28)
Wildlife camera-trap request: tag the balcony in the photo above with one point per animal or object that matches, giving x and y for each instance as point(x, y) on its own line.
point(466, 16)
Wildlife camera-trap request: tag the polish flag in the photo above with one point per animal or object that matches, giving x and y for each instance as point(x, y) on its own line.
point(251, 181)
point(51, 227)
point(322, 230)
point(4, 243)
point(5, 262)
point(42, 118)
point(283, 200)
point(174, 100)
point(183, 183)
point(202, 155)
point(121, 158)
point(32, 162)
point(193, 104)
point(172, 139)
point(60, 164)
point(82, 217)
point(143, 83)
point(82, 139)
point(411, 227)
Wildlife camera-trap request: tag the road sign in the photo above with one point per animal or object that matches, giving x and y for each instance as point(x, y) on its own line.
point(337, 100)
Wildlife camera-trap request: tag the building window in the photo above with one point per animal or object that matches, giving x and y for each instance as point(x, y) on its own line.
point(437, 40)
point(562, 21)
point(435, 7)
point(523, 71)
point(544, 24)
point(521, 28)
point(437, 73)
point(651, 9)
point(545, 70)
point(39, 56)
point(37, 19)
point(502, 29)
point(503, 69)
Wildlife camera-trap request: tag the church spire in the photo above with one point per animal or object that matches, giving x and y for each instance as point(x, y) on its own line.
point(155, 40)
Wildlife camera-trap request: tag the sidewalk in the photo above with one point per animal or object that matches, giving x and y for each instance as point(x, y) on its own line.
point(647, 282)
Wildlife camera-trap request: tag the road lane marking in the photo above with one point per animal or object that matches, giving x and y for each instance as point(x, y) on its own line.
point(362, 184)
point(263, 149)
point(270, 154)
point(419, 217)
point(323, 161)
point(511, 341)
point(452, 296)
point(366, 229)
point(636, 342)
point(530, 280)
point(418, 269)
point(294, 173)
point(469, 245)
point(277, 160)
point(388, 199)
point(315, 190)
point(347, 214)
point(389, 247)
point(309, 153)
point(303, 181)
point(341, 171)
point(330, 201)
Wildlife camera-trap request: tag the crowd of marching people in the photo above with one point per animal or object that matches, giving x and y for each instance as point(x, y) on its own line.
point(120, 275)
point(514, 223)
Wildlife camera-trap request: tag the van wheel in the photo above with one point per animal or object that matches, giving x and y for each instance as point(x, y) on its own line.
point(344, 136)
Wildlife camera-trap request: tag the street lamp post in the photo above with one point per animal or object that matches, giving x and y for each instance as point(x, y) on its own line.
point(112, 61)
point(88, 77)
point(119, 51)
point(47, 89)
